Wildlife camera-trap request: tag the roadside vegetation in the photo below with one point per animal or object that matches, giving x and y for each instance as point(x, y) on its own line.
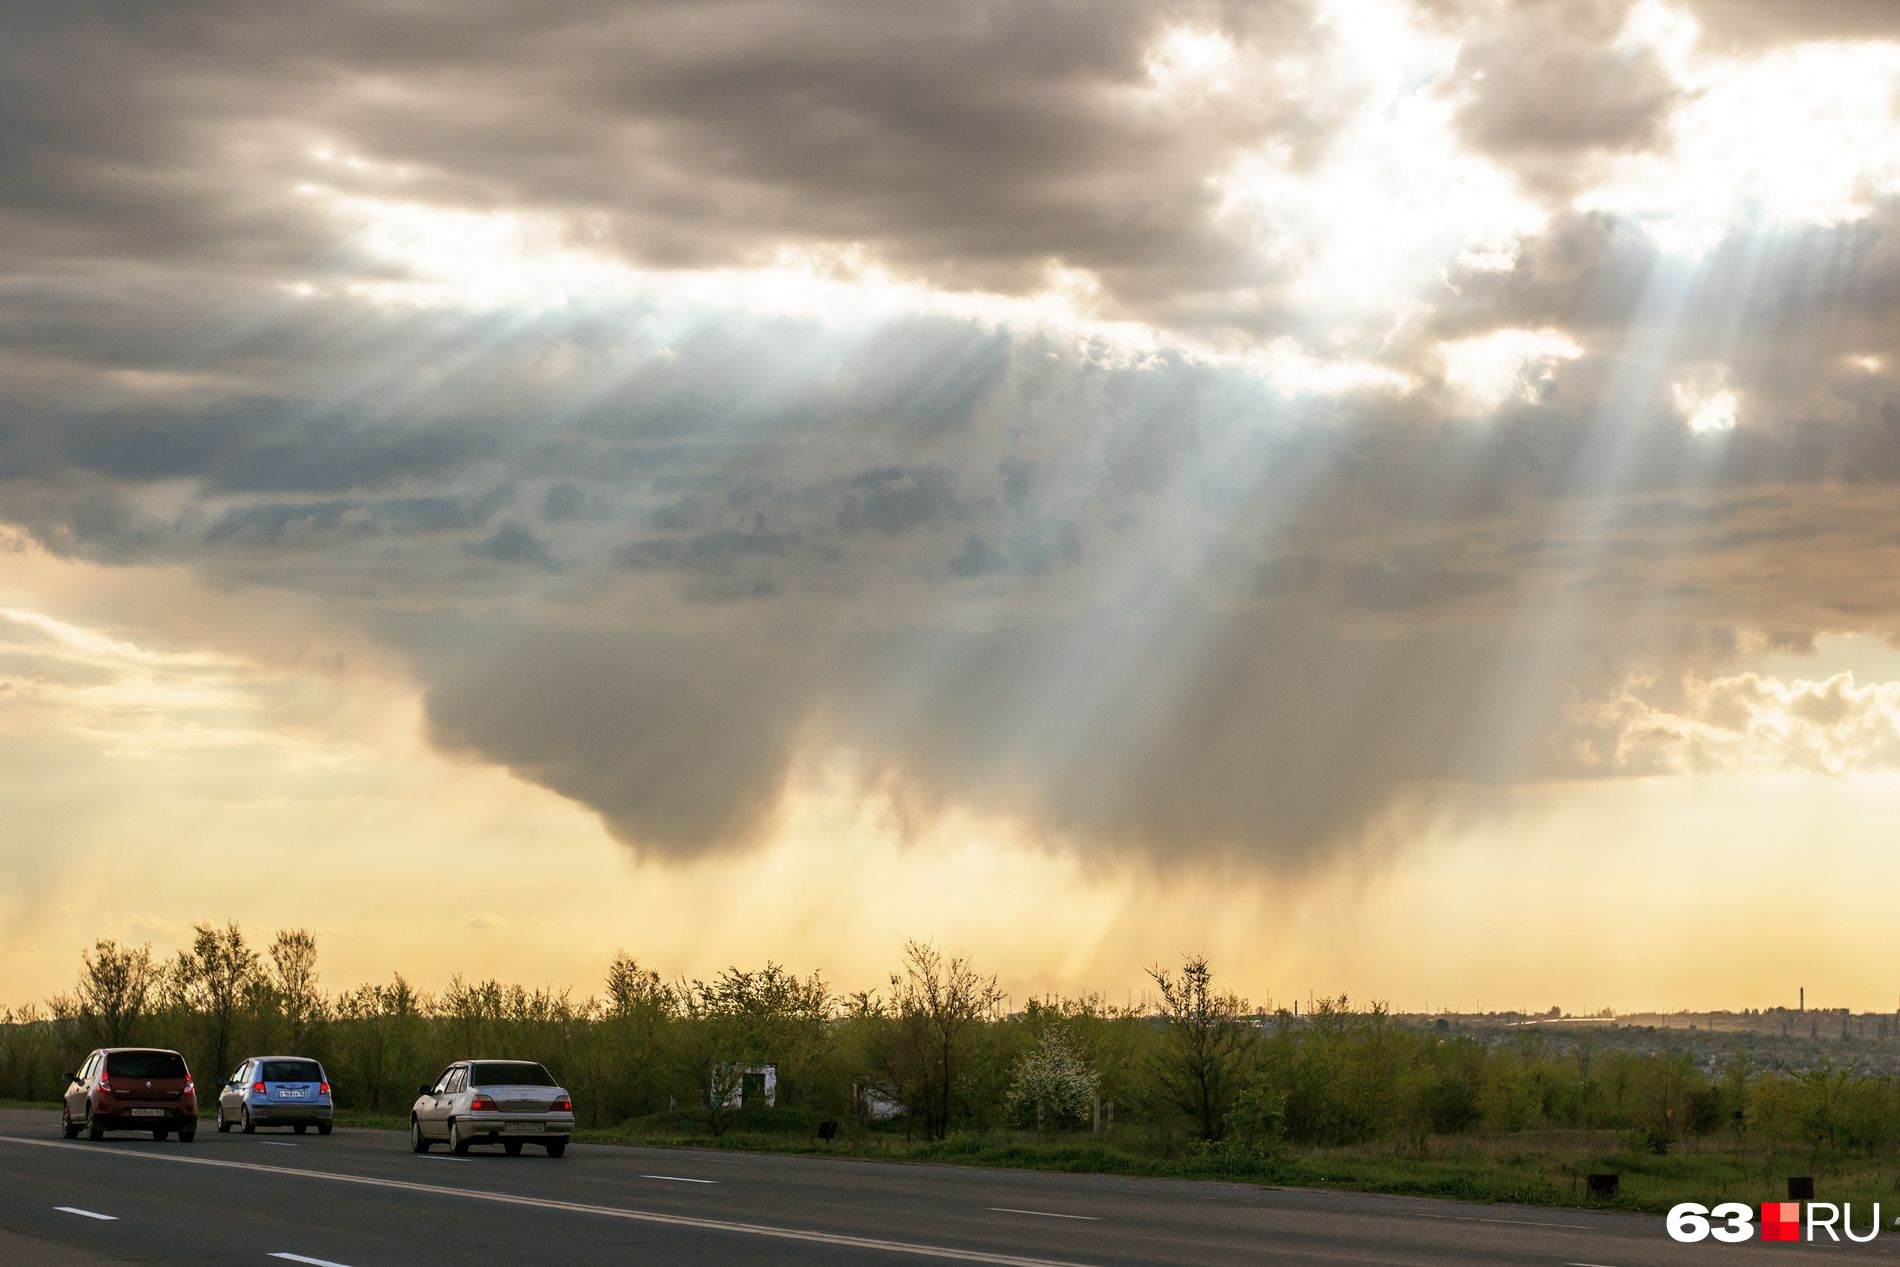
point(933, 1068)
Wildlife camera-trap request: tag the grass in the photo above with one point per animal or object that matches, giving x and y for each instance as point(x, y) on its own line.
point(1527, 1168)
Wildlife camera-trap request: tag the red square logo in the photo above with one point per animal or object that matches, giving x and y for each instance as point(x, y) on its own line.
point(1781, 1220)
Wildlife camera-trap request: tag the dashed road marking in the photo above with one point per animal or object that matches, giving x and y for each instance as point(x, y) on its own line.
point(678, 1179)
point(87, 1214)
point(491, 1197)
point(1043, 1214)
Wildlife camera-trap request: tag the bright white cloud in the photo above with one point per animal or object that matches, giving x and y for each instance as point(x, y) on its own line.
point(1800, 135)
point(1705, 400)
point(1394, 203)
point(1491, 368)
point(1186, 58)
point(1748, 722)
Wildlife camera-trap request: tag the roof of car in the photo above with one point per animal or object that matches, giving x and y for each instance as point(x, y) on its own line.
point(111, 1050)
point(312, 1059)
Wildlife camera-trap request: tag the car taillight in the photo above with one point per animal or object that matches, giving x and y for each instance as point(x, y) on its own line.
point(482, 1104)
point(323, 1088)
point(564, 1105)
point(189, 1088)
point(105, 1084)
point(258, 1087)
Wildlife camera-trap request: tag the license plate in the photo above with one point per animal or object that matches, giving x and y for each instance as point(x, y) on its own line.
point(148, 1112)
point(527, 1127)
point(292, 1095)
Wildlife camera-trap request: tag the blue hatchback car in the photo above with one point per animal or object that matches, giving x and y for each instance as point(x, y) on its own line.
point(291, 1091)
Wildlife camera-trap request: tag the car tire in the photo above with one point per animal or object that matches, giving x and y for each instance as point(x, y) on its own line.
point(457, 1144)
point(189, 1133)
point(94, 1131)
point(224, 1127)
point(250, 1127)
point(160, 1134)
point(323, 1128)
point(512, 1147)
point(66, 1127)
point(300, 1128)
point(418, 1142)
point(556, 1147)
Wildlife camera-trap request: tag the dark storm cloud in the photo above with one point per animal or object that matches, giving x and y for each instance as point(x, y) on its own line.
point(653, 557)
point(972, 143)
point(1548, 85)
point(512, 542)
point(1755, 24)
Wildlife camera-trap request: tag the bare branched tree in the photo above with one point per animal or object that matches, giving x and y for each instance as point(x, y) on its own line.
point(937, 1004)
point(1204, 1063)
point(116, 989)
point(211, 979)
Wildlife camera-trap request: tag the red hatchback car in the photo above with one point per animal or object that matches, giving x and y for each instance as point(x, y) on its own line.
point(131, 1089)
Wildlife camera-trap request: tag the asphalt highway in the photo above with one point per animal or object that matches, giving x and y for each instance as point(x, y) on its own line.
point(362, 1199)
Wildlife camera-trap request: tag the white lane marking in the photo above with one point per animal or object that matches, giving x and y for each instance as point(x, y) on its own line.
point(678, 1179)
point(443, 1157)
point(275, 1143)
point(1575, 1227)
point(87, 1214)
point(491, 1197)
point(314, 1262)
point(1586, 1265)
point(1042, 1214)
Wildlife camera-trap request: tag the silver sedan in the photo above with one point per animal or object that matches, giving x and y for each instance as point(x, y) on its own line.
point(506, 1102)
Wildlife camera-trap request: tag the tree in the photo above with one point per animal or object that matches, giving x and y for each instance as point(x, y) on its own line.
point(936, 1004)
point(385, 1035)
point(293, 977)
point(638, 1013)
point(115, 991)
point(1053, 1081)
point(1203, 1062)
point(210, 980)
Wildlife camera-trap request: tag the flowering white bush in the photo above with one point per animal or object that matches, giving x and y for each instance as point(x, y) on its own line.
point(1054, 1081)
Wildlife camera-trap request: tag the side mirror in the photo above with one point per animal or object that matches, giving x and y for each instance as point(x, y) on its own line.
point(73, 1076)
point(424, 1089)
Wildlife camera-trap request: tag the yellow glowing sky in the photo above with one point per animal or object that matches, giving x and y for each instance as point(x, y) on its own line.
point(224, 759)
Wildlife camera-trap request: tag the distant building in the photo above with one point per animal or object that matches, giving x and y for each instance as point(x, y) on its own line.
point(748, 1086)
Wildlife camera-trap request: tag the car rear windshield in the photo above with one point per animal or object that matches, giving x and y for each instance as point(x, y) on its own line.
point(510, 1073)
point(291, 1071)
point(145, 1064)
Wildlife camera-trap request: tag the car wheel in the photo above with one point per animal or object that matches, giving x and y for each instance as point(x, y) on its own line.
point(300, 1128)
point(250, 1127)
point(189, 1133)
point(66, 1127)
point(323, 1128)
point(417, 1142)
point(94, 1130)
point(457, 1144)
point(159, 1133)
point(224, 1127)
point(512, 1147)
point(556, 1147)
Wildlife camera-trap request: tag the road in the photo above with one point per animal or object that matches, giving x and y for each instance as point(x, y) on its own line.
point(362, 1199)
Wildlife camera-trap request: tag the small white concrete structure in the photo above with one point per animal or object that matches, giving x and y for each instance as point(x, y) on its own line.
point(747, 1086)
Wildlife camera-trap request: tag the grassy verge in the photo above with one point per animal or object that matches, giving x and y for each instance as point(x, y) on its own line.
point(1529, 1168)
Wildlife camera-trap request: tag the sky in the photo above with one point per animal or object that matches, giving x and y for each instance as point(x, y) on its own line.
point(1399, 496)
